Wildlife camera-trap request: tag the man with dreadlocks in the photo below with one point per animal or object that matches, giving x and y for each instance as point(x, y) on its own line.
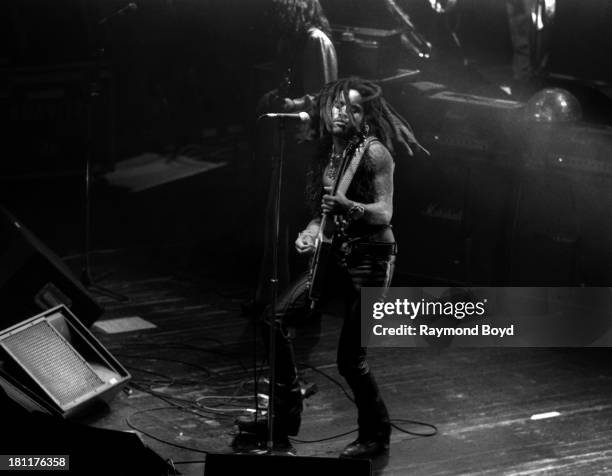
point(347, 115)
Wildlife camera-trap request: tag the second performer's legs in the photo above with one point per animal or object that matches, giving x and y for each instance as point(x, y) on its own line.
point(291, 306)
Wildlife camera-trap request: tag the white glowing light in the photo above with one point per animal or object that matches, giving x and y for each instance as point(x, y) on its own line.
point(543, 416)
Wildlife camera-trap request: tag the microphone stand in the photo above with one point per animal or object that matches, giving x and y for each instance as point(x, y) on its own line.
point(278, 179)
point(94, 90)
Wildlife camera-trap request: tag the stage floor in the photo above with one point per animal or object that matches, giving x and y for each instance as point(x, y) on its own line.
point(192, 377)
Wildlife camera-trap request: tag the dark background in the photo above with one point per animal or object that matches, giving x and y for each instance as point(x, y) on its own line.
point(179, 73)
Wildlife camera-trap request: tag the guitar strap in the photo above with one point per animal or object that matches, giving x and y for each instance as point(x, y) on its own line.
point(347, 178)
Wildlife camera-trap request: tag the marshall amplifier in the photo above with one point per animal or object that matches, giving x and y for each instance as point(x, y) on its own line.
point(572, 148)
point(368, 52)
point(472, 126)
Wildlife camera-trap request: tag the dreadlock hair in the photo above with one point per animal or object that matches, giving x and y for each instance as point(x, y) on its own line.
point(297, 16)
point(383, 121)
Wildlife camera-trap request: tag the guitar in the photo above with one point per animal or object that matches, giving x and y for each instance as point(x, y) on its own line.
point(322, 254)
point(331, 223)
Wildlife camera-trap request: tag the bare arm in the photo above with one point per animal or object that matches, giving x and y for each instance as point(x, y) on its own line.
point(320, 64)
point(313, 225)
point(378, 212)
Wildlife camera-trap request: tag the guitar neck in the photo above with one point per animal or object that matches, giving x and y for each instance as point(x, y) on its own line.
point(327, 228)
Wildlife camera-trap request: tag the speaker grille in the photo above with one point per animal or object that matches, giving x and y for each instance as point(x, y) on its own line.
point(52, 362)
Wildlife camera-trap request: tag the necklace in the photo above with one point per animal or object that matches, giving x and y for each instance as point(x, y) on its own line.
point(335, 159)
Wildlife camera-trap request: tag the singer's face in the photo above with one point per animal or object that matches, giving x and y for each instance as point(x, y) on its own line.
point(341, 122)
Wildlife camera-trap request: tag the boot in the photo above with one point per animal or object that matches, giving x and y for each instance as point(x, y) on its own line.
point(373, 419)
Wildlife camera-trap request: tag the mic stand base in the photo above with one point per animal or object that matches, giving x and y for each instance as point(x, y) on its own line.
point(248, 443)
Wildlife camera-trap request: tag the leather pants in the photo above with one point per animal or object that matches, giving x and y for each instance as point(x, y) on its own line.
point(365, 264)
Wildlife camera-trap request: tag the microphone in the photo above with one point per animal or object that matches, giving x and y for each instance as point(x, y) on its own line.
point(300, 116)
point(130, 7)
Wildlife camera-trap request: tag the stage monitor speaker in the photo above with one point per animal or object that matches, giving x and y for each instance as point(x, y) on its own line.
point(264, 465)
point(51, 362)
point(34, 279)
